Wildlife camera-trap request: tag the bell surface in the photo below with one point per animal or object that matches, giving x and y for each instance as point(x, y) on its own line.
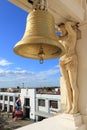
point(39, 34)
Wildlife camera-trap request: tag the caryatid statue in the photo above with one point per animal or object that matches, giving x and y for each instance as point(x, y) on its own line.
point(68, 65)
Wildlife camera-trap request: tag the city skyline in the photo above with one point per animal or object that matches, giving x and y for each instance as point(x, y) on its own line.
point(15, 70)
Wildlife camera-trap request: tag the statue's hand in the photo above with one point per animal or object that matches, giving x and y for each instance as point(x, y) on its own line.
point(70, 27)
point(67, 24)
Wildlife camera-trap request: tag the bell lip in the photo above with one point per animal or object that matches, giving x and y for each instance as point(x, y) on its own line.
point(16, 52)
point(21, 43)
point(58, 56)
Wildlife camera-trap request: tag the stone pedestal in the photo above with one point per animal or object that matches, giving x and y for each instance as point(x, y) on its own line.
point(73, 122)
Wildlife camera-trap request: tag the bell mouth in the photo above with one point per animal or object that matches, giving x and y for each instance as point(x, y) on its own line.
point(32, 50)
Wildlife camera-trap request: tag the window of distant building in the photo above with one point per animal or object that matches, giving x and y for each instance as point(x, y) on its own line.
point(5, 107)
point(53, 104)
point(41, 102)
point(16, 98)
point(6, 98)
point(0, 106)
point(1, 97)
point(27, 102)
point(11, 98)
point(11, 108)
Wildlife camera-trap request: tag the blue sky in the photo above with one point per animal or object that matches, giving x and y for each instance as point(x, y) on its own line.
point(15, 70)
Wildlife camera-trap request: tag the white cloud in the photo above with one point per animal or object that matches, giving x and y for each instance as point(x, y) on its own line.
point(48, 72)
point(21, 72)
point(57, 66)
point(28, 77)
point(15, 72)
point(4, 62)
point(18, 68)
point(1, 70)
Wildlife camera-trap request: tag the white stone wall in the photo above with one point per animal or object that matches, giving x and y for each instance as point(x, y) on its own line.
point(82, 70)
point(47, 98)
point(29, 93)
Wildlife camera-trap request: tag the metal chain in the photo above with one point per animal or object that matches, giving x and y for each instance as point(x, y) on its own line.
point(40, 5)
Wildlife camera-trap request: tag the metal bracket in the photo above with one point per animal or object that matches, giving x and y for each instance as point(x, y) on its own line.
point(31, 1)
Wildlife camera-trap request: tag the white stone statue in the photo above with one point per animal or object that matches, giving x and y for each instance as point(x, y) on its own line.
point(68, 65)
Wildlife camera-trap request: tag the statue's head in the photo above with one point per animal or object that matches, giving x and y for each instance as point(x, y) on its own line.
point(62, 29)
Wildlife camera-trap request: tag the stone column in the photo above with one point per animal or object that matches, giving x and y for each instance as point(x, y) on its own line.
point(8, 107)
point(59, 104)
point(36, 118)
point(37, 107)
point(47, 105)
point(82, 71)
point(3, 102)
point(13, 102)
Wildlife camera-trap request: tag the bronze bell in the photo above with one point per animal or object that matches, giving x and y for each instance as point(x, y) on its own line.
point(40, 40)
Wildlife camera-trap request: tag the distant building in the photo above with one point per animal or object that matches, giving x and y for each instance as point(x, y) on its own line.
point(37, 104)
point(7, 101)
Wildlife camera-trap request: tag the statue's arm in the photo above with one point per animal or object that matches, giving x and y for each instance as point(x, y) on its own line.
point(69, 27)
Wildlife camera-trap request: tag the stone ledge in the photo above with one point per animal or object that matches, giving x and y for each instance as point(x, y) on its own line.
point(59, 122)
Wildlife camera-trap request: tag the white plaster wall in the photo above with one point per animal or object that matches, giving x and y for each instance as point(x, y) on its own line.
point(29, 93)
point(8, 102)
point(9, 94)
point(1, 101)
point(43, 109)
point(82, 69)
point(47, 97)
point(32, 103)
